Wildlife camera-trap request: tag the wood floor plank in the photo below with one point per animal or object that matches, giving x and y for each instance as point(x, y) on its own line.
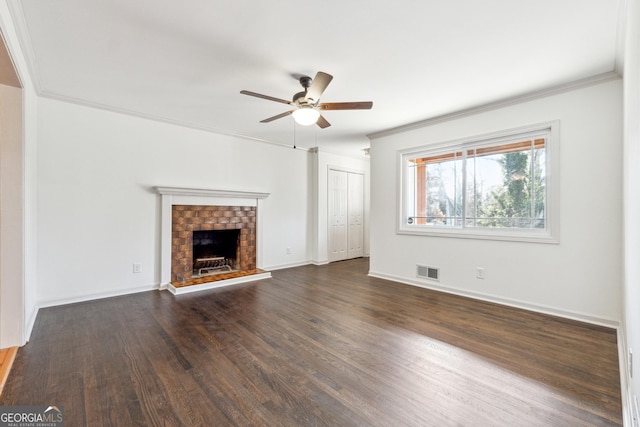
point(317, 346)
point(7, 356)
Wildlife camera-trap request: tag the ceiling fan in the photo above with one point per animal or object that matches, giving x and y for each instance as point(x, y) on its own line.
point(307, 103)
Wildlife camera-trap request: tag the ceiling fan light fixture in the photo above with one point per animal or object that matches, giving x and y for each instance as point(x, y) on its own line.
point(306, 116)
point(307, 105)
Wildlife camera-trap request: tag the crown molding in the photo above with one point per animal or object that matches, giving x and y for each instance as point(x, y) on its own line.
point(621, 35)
point(351, 155)
point(131, 113)
point(543, 93)
point(24, 41)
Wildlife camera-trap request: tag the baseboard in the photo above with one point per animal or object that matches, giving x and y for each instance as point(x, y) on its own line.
point(288, 265)
point(302, 263)
point(31, 321)
point(95, 296)
point(553, 311)
point(625, 386)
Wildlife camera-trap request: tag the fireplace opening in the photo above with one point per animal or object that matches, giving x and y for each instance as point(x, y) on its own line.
point(215, 252)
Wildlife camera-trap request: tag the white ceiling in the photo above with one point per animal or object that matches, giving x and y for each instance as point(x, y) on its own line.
point(187, 61)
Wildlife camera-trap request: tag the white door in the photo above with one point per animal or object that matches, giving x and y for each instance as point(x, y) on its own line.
point(355, 211)
point(337, 215)
point(346, 212)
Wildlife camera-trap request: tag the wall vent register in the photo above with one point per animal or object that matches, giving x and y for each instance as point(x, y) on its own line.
point(426, 272)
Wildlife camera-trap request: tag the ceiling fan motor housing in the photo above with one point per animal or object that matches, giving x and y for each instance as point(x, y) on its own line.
point(305, 81)
point(298, 97)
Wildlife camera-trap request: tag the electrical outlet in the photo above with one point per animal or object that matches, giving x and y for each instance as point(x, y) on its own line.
point(137, 267)
point(288, 251)
point(480, 273)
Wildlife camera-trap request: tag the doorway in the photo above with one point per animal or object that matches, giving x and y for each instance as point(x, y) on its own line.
point(12, 200)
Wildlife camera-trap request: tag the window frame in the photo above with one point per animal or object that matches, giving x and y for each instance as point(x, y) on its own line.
point(550, 234)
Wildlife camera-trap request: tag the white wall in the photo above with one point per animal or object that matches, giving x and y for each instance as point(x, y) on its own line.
point(581, 276)
point(322, 161)
point(632, 195)
point(97, 213)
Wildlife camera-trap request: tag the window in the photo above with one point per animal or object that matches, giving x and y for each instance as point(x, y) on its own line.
point(495, 187)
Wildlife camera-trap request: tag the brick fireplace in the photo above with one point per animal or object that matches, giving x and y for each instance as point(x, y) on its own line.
point(185, 211)
point(186, 219)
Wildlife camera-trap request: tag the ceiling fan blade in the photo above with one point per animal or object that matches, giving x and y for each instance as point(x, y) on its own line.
point(267, 97)
point(279, 116)
point(322, 122)
point(318, 86)
point(345, 106)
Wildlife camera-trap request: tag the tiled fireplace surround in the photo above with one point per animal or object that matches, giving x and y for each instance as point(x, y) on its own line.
point(185, 210)
point(187, 219)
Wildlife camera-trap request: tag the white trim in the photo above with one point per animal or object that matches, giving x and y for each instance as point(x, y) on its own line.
point(96, 296)
point(189, 125)
point(345, 169)
point(159, 119)
point(626, 395)
point(621, 35)
point(30, 324)
point(348, 154)
point(289, 265)
point(553, 311)
point(201, 192)
point(25, 44)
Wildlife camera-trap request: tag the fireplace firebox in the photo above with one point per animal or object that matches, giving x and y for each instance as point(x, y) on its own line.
point(215, 251)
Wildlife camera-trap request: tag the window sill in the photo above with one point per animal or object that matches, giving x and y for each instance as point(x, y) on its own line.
point(542, 236)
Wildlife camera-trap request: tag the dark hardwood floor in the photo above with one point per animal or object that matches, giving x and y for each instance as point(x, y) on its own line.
point(324, 346)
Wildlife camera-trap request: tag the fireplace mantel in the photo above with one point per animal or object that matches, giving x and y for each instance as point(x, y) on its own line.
point(197, 192)
point(204, 197)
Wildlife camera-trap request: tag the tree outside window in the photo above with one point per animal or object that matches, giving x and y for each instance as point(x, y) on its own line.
point(495, 186)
